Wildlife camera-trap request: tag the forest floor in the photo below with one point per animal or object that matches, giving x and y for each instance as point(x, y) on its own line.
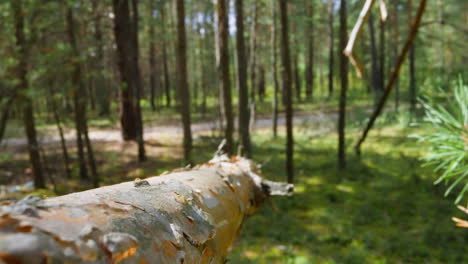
point(383, 208)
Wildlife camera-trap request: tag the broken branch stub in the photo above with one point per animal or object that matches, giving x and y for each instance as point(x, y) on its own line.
point(188, 216)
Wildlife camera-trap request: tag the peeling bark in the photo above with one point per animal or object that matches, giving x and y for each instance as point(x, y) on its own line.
point(188, 216)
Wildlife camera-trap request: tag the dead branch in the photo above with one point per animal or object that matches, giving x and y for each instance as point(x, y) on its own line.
point(388, 88)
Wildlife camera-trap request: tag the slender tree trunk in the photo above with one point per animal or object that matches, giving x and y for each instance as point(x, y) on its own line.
point(79, 94)
point(412, 68)
point(382, 55)
point(223, 72)
point(22, 88)
point(167, 81)
point(204, 80)
point(152, 57)
point(286, 62)
point(63, 143)
point(101, 89)
point(297, 78)
point(123, 35)
point(261, 83)
point(331, 51)
point(181, 61)
point(138, 83)
point(344, 87)
point(375, 71)
point(395, 51)
point(243, 93)
point(5, 115)
point(274, 69)
point(309, 73)
point(253, 64)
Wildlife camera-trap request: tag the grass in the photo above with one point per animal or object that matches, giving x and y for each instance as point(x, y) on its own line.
point(383, 209)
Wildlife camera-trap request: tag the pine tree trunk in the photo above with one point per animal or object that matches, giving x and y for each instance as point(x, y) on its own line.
point(331, 51)
point(344, 87)
point(123, 35)
point(375, 71)
point(286, 62)
point(167, 81)
point(188, 216)
point(80, 95)
point(224, 81)
point(274, 69)
point(138, 83)
point(412, 69)
point(183, 90)
point(26, 101)
point(309, 73)
point(243, 94)
point(152, 58)
point(101, 89)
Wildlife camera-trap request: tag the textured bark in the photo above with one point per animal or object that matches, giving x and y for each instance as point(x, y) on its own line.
point(5, 115)
point(152, 57)
point(79, 99)
point(412, 69)
point(183, 89)
point(222, 64)
point(138, 83)
point(344, 86)
point(331, 51)
point(375, 71)
point(243, 105)
point(286, 62)
point(25, 100)
point(274, 70)
point(167, 84)
point(123, 36)
point(101, 89)
point(190, 216)
point(309, 72)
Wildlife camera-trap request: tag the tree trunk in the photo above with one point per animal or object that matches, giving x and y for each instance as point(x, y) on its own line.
point(101, 89)
point(274, 69)
point(22, 88)
point(5, 115)
point(183, 90)
point(382, 55)
point(309, 73)
point(375, 71)
point(344, 87)
point(243, 93)
point(63, 143)
point(253, 64)
point(188, 216)
point(297, 78)
point(152, 57)
point(79, 98)
point(224, 81)
point(396, 43)
point(412, 70)
point(261, 83)
point(167, 81)
point(138, 83)
point(331, 51)
point(124, 37)
point(286, 63)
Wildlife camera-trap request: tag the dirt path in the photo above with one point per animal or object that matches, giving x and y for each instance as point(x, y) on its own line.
point(155, 132)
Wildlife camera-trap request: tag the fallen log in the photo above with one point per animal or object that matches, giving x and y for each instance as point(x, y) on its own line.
point(187, 216)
